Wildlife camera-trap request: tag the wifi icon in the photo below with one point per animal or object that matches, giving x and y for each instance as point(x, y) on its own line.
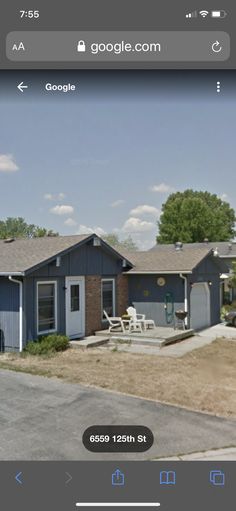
point(204, 13)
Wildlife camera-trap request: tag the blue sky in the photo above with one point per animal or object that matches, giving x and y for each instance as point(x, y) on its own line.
point(108, 164)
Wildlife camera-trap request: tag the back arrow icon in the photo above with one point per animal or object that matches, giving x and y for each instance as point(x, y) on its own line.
point(17, 478)
point(21, 86)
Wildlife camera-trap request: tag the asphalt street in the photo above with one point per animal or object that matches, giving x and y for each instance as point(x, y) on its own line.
point(44, 419)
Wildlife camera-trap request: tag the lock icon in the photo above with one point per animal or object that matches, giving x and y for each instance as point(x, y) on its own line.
point(81, 46)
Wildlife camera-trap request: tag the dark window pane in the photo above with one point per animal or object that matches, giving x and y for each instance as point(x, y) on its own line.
point(74, 298)
point(46, 307)
point(107, 297)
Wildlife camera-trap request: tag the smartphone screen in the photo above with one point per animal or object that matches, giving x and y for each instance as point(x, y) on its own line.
point(117, 255)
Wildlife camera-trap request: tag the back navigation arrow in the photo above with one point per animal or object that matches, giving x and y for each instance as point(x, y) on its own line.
point(18, 478)
point(21, 86)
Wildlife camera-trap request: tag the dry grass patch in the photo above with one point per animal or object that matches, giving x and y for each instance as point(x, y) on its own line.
point(204, 379)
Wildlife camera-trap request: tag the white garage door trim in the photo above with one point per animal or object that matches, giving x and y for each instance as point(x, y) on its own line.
point(204, 314)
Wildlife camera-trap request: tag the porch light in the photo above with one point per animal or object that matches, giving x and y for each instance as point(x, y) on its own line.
point(209, 283)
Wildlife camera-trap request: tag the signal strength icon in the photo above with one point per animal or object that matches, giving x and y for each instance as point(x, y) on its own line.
point(192, 14)
point(203, 14)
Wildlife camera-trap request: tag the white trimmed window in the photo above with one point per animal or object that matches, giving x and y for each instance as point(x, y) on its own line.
point(46, 307)
point(108, 296)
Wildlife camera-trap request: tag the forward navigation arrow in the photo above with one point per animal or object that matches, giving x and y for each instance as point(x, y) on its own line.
point(69, 477)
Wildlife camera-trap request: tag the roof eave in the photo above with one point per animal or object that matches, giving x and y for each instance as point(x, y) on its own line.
point(229, 256)
point(8, 273)
point(156, 272)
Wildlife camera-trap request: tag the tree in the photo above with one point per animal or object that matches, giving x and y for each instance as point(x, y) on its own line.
point(192, 216)
point(114, 241)
point(232, 280)
point(18, 228)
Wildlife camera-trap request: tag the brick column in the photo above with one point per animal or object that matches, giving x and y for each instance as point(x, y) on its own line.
point(92, 304)
point(122, 294)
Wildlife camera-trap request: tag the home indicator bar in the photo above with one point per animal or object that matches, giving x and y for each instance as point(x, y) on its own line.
point(118, 504)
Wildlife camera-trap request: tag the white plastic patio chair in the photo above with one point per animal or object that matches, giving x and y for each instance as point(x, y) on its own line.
point(114, 322)
point(140, 318)
point(136, 320)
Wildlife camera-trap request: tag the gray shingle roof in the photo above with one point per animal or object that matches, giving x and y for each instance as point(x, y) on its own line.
point(167, 260)
point(225, 248)
point(24, 253)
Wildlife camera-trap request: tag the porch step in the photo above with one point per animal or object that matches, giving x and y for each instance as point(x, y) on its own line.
point(89, 342)
point(159, 337)
point(140, 341)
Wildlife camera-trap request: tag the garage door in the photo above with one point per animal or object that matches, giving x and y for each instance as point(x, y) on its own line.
point(200, 306)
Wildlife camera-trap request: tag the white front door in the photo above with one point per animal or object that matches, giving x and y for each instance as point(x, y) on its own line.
point(75, 307)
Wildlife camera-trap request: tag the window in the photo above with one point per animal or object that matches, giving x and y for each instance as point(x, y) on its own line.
point(74, 298)
point(108, 296)
point(46, 307)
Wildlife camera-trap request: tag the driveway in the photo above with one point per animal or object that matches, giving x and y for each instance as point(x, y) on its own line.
point(44, 419)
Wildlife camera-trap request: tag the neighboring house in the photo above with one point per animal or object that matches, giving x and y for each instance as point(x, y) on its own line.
point(58, 284)
point(62, 284)
point(177, 277)
point(227, 252)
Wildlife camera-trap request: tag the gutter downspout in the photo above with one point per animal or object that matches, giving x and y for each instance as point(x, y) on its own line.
point(20, 311)
point(185, 296)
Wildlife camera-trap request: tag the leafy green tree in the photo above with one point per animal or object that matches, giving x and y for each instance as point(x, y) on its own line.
point(192, 216)
point(18, 228)
point(127, 244)
point(232, 280)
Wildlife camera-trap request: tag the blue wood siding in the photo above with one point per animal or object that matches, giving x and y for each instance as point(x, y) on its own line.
point(149, 298)
point(85, 260)
point(9, 315)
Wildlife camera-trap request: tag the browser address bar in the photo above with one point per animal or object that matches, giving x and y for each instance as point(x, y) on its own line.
point(106, 46)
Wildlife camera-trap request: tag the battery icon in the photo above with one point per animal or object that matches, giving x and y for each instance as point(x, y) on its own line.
point(218, 14)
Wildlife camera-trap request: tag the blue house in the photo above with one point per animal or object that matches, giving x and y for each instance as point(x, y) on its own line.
point(226, 250)
point(58, 284)
point(177, 277)
point(63, 283)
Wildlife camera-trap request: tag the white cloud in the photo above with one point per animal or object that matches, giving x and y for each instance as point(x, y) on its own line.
point(117, 203)
point(144, 209)
point(50, 196)
point(62, 210)
point(162, 188)
point(133, 225)
point(224, 197)
point(70, 222)
point(83, 229)
point(7, 163)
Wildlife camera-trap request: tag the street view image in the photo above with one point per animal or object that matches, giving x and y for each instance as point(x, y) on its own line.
point(118, 273)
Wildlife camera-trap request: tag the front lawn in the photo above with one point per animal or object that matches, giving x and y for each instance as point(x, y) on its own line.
point(204, 379)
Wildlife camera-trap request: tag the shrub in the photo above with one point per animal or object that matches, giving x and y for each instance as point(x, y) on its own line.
point(47, 344)
point(227, 308)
